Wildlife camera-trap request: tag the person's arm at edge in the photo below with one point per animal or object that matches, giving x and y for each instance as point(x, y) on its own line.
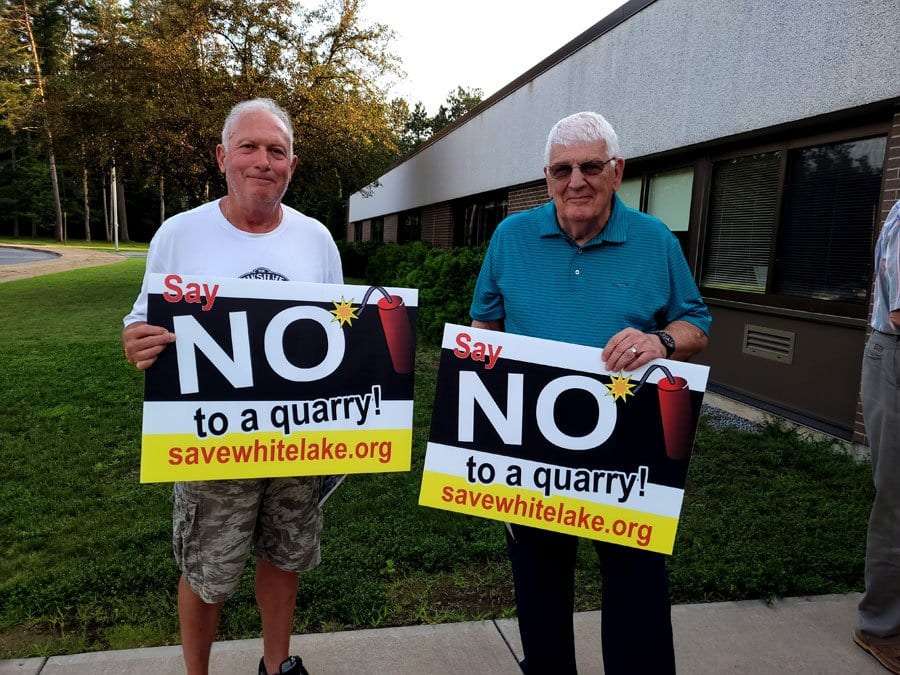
point(142, 342)
point(892, 265)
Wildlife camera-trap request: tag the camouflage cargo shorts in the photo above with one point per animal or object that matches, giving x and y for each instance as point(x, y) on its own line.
point(214, 524)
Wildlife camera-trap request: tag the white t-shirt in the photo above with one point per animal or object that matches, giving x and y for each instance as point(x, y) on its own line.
point(202, 242)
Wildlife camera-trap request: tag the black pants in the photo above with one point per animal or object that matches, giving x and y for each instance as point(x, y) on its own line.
point(636, 625)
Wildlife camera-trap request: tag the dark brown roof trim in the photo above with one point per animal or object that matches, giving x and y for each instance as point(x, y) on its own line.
point(606, 24)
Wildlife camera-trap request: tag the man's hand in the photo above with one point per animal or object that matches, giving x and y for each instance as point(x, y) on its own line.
point(894, 318)
point(143, 343)
point(629, 349)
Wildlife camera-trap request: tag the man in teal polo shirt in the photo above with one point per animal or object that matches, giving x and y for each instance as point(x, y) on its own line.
point(587, 269)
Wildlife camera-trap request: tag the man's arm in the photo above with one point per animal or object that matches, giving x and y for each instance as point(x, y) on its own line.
point(143, 342)
point(487, 325)
point(619, 355)
point(894, 317)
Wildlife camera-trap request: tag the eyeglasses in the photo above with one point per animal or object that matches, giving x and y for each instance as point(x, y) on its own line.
point(591, 168)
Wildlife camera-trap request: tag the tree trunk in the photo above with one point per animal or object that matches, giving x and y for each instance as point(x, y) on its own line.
point(112, 204)
point(59, 232)
point(39, 78)
point(15, 213)
point(87, 205)
point(162, 199)
point(123, 214)
point(106, 224)
point(65, 227)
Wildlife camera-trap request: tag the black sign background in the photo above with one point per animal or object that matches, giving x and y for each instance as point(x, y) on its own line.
point(366, 358)
point(637, 439)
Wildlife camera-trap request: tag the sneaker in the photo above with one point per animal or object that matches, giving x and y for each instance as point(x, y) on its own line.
point(885, 650)
point(292, 665)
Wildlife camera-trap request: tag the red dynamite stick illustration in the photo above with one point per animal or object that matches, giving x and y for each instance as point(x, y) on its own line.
point(396, 327)
point(674, 411)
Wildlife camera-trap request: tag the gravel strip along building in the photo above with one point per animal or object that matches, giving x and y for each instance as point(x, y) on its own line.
point(765, 133)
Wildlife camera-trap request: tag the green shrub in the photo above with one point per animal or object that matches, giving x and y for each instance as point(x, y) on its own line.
point(392, 262)
point(355, 257)
point(445, 278)
point(446, 281)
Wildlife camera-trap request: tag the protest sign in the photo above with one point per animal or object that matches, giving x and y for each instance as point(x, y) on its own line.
point(535, 432)
point(277, 378)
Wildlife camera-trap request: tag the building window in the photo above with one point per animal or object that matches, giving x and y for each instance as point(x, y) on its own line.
point(409, 226)
point(476, 218)
point(742, 208)
point(630, 192)
point(828, 221)
point(796, 224)
point(669, 199)
point(357, 230)
point(377, 230)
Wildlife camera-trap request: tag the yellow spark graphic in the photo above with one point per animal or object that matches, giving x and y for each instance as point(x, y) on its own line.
point(620, 387)
point(344, 312)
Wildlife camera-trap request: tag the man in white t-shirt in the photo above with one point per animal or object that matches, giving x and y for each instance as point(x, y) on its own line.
point(248, 233)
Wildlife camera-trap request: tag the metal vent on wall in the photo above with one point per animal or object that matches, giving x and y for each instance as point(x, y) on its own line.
point(769, 343)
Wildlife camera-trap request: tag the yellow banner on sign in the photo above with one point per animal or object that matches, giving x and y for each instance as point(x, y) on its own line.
point(578, 517)
point(184, 457)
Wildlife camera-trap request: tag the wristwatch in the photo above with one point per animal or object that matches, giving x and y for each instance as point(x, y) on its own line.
point(667, 340)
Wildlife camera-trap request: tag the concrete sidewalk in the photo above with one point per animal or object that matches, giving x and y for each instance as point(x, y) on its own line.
point(796, 635)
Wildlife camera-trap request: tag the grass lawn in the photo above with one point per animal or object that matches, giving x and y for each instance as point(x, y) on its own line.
point(85, 557)
point(97, 245)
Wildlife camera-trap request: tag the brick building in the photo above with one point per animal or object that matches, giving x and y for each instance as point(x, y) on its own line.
point(765, 133)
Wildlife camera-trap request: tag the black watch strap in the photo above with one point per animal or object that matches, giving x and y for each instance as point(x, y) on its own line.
point(667, 340)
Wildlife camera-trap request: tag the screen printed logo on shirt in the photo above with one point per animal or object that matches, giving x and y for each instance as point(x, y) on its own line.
point(264, 273)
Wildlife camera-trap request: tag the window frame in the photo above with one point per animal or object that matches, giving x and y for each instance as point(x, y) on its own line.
point(645, 170)
point(786, 146)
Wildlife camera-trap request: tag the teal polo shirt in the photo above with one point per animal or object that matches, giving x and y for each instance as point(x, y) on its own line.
point(540, 283)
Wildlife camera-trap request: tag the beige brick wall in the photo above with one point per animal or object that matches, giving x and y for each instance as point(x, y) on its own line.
point(350, 231)
point(890, 193)
point(527, 196)
point(437, 225)
point(367, 230)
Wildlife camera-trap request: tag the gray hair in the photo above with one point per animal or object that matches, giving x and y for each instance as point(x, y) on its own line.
point(581, 128)
point(257, 105)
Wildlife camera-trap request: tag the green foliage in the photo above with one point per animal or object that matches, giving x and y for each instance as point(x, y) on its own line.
point(85, 554)
point(389, 263)
point(418, 127)
point(445, 279)
point(355, 257)
point(459, 102)
point(148, 84)
point(25, 192)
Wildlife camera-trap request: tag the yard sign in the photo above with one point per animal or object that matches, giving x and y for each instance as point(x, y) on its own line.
point(273, 378)
point(535, 432)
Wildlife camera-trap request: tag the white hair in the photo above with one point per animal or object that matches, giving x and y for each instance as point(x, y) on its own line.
point(257, 105)
point(582, 128)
